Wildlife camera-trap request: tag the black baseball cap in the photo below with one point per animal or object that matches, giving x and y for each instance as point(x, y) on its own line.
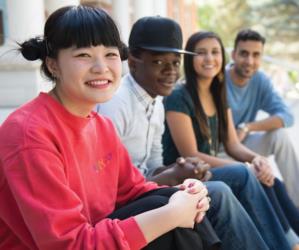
point(156, 33)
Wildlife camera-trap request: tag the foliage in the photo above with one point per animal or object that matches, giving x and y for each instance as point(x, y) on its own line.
point(219, 18)
point(278, 20)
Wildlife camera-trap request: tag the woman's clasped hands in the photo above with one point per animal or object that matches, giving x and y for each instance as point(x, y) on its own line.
point(191, 201)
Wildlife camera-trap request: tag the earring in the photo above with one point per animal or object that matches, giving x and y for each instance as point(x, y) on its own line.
point(220, 77)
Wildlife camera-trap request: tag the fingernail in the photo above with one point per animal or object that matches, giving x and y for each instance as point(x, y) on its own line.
point(191, 185)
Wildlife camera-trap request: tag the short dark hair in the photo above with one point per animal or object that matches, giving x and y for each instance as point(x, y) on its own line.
point(248, 35)
point(79, 26)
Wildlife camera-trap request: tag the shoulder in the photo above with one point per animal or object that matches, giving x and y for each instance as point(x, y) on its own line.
point(28, 126)
point(179, 93)
point(260, 78)
point(179, 100)
point(124, 92)
point(28, 114)
point(122, 101)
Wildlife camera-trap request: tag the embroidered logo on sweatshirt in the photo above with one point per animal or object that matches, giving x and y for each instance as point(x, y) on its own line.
point(102, 163)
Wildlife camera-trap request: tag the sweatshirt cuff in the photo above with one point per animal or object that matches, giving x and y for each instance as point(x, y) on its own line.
point(287, 120)
point(133, 233)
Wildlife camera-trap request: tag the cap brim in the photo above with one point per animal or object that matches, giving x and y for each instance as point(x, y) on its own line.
point(166, 49)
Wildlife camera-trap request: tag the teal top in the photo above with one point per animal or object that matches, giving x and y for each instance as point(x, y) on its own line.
point(181, 101)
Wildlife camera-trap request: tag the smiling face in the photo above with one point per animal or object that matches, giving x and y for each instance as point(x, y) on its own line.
point(85, 76)
point(156, 72)
point(247, 58)
point(209, 61)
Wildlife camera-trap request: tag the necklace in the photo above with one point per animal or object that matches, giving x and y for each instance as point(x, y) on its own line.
point(213, 138)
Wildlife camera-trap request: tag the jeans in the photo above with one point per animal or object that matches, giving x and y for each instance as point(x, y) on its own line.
point(251, 195)
point(277, 143)
point(290, 210)
point(285, 209)
point(230, 221)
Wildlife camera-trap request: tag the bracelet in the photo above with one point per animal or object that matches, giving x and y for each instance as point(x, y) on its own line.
point(244, 127)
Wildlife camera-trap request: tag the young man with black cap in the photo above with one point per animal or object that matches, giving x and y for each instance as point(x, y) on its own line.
point(137, 111)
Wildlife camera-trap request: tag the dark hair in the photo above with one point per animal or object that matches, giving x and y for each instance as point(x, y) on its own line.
point(79, 26)
point(218, 89)
point(248, 35)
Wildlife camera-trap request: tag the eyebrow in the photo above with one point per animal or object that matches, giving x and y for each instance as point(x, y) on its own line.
point(207, 49)
point(248, 52)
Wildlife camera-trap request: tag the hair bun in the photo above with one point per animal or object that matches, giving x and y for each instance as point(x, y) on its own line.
point(33, 49)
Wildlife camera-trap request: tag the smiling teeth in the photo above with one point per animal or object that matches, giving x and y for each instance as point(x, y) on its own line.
point(208, 66)
point(98, 82)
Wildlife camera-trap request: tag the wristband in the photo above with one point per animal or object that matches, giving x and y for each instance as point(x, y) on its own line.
point(244, 127)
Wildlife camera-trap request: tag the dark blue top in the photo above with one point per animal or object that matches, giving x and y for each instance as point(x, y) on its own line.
point(181, 101)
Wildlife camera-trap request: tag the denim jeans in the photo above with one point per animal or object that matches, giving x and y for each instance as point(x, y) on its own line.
point(289, 208)
point(285, 204)
point(251, 195)
point(285, 209)
point(231, 222)
point(278, 143)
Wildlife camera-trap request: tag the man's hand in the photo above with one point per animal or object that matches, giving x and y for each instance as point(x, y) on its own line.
point(263, 171)
point(191, 167)
point(183, 168)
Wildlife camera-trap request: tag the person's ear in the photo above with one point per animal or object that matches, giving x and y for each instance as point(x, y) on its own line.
point(53, 67)
point(132, 63)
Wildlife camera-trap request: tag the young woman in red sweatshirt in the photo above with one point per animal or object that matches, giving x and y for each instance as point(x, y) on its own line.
point(66, 181)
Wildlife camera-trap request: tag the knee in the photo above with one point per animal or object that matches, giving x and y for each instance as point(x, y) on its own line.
point(241, 173)
point(222, 198)
point(218, 191)
point(244, 178)
point(278, 136)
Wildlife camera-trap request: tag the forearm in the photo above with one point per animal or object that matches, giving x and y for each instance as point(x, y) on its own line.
point(150, 222)
point(213, 161)
point(239, 152)
point(271, 123)
point(164, 176)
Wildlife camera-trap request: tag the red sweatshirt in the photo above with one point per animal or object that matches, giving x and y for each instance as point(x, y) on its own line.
point(60, 176)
